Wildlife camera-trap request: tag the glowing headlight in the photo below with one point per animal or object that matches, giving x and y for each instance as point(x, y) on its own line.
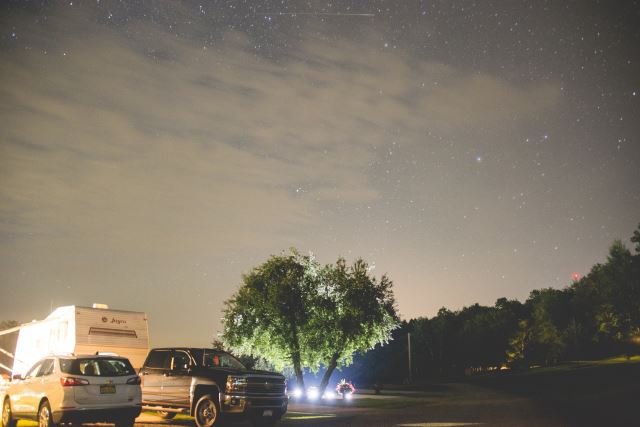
point(313, 393)
point(297, 393)
point(235, 384)
point(329, 395)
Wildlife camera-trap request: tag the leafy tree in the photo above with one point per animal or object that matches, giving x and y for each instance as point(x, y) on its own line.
point(353, 313)
point(549, 315)
point(435, 341)
point(296, 314)
point(507, 315)
point(636, 238)
point(269, 315)
point(617, 310)
point(520, 344)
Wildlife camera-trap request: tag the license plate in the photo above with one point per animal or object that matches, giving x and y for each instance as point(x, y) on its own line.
point(267, 413)
point(107, 388)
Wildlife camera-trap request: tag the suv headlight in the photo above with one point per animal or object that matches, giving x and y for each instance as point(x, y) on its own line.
point(236, 384)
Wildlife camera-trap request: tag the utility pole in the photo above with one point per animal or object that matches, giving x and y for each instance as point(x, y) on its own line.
point(409, 349)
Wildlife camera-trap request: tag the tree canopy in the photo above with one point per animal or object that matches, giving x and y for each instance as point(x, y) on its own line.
point(297, 314)
point(354, 312)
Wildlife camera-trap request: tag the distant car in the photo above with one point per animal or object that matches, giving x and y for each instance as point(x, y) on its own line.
point(74, 389)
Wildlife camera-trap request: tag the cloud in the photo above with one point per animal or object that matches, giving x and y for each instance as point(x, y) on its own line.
point(134, 141)
point(137, 119)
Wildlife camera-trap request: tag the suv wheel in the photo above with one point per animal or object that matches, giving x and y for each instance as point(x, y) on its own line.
point(45, 418)
point(7, 419)
point(206, 413)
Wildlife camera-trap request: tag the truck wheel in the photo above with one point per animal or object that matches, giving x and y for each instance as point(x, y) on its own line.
point(206, 413)
point(167, 415)
point(7, 419)
point(45, 418)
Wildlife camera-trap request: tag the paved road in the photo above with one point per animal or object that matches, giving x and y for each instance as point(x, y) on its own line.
point(449, 405)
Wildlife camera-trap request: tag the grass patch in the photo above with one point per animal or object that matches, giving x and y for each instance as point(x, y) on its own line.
point(586, 392)
point(304, 416)
point(396, 402)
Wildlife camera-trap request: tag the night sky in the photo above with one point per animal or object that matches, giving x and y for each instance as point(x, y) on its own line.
point(153, 152)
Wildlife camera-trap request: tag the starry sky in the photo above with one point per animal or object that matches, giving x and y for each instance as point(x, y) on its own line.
point(152, 152)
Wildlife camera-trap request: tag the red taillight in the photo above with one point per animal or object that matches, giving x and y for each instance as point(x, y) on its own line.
point(71, 382)
point(134, 381)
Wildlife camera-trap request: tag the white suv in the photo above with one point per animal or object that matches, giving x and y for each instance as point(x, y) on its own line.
point(75, 389)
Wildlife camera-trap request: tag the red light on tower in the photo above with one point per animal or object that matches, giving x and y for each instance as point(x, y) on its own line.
point(575, 276)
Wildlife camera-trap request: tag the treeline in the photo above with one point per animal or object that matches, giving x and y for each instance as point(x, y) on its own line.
point(596, 316)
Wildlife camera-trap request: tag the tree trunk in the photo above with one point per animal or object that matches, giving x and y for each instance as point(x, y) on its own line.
point(295, 359)
point(327, 375)
point(298, 371)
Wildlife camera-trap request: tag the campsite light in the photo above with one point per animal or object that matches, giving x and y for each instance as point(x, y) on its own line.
point(313, 393)
point(329, 395)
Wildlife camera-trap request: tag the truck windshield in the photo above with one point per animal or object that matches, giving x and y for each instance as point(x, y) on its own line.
point(218, 359)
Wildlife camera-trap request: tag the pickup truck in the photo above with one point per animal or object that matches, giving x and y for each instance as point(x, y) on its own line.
point(211, 386)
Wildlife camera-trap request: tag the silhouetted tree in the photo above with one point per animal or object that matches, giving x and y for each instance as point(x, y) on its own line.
point(636, 238)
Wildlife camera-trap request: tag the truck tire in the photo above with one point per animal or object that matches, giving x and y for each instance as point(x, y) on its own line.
point(206, 413)
point(7, 418)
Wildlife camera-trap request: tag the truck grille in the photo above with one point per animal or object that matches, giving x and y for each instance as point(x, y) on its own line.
point(257, 385)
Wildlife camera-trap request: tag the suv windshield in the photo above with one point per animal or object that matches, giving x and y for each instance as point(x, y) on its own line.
point(97, 367)
point(217, 359)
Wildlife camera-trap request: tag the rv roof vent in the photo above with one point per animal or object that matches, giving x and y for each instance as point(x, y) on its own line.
point(102, 306)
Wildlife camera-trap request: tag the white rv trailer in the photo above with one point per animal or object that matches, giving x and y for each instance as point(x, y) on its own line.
point(83, 330)
point(8, 340)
